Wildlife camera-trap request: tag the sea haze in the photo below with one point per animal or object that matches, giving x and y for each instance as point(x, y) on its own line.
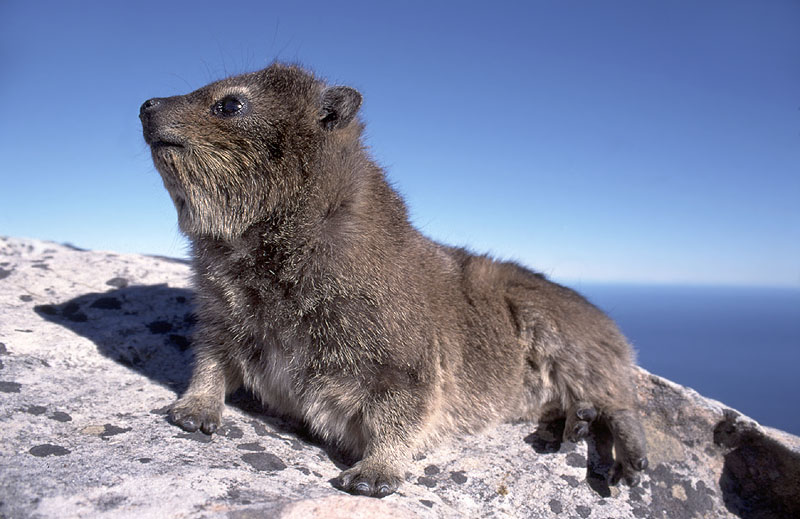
point(737, 345)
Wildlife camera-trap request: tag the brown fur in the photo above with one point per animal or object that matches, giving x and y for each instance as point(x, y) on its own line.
point(316, 293)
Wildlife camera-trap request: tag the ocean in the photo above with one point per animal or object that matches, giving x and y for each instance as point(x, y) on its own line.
point(738, 345)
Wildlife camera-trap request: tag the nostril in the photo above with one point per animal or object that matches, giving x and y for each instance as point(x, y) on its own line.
point(150, 104)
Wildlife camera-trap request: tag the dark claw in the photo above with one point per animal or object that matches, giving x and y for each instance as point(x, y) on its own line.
point(367, 482)
point(184, 422)
point(587, 414)
point(633, 480)
point(384, 490)
point(640, 464)
point(191, 423)
point(580, 431)
point(362, 488)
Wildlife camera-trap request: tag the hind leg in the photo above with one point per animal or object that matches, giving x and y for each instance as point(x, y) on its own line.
point(579, 417)
point(630, 448)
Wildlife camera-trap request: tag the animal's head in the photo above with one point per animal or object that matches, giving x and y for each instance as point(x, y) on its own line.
point(242, 148)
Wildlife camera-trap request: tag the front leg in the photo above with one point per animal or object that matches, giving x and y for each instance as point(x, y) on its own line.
point(392, 425)
point(201, 406)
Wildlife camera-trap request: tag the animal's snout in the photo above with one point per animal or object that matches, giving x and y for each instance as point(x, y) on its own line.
point(151, 105)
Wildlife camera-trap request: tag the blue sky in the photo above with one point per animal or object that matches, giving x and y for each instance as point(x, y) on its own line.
point(594, 141)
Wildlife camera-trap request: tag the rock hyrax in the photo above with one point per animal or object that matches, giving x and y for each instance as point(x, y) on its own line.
point(316, 293)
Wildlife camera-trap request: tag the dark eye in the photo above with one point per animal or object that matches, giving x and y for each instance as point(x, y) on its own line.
point(228, 106)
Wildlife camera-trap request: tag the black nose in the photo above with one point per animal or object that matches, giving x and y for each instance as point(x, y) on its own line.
point(150, 105)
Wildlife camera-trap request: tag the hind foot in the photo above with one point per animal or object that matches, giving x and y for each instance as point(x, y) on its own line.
point(579, 417)
point(630, 448)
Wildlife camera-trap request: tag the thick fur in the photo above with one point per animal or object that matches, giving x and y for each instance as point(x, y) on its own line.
point(316, 293)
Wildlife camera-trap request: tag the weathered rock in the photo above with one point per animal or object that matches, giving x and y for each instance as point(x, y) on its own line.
point(94, 346)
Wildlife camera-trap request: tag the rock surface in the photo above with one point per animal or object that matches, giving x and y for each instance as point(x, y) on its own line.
point(94, 346)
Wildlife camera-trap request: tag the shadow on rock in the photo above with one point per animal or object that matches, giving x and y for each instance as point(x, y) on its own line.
point(760, 477)
point(548, 439)
point(146, 328)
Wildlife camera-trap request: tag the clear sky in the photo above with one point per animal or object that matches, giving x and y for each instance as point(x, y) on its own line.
point(614, 141)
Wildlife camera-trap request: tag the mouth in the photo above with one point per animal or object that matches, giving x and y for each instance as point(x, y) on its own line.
point(161, 138)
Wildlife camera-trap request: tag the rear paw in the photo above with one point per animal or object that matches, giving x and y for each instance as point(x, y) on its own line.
point(630, 447)
point(579, 418)
point(629, 473)
point(368, 479)
point(192, 414)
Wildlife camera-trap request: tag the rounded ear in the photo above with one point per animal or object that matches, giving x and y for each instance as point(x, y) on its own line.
point(339, 105)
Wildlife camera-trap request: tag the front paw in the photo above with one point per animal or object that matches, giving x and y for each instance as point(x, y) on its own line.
point(368, 478)
point(191, 414)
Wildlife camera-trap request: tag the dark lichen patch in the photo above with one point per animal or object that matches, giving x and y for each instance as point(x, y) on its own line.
point(459, 477)
point(25, 298)
point(47, 449)
point(636, 494)
point(235, 495)
point(159, 327)
point(60, 416)
point(555, 506)
point(702, 487)
point(426, 481)
point(144, 460)
point(36, 410)
point(264, 461)
point(117, 282)
point(112, 430)
point(107, 303)
point(10, 387)
point(690, 502)
point(427, 503)
point(576, 460)
point(230, 431)
point(259, 428)
point(432, 470)
point(3, 350)
point(583, 511)
point(43, 266)
point(251, 446)
point(197, 436)
point(5, 273)
point(571, 480)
